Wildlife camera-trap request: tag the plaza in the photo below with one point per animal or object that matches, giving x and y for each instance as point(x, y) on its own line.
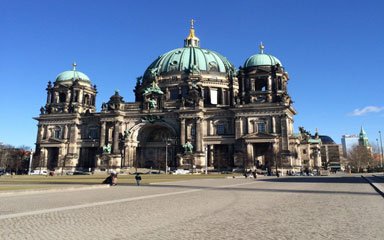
point(335, 207)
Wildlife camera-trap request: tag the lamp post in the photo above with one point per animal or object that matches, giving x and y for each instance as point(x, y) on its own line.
point(167, 142)
point(206, 159)
point(381, 148)
point(30, 162)
point(166, 156)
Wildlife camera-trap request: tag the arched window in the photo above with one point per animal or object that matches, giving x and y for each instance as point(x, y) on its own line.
point(261, 127)
point(174, 93)
point(220, 129)
point(57, 132)
point(86, 99)
point(62, 97)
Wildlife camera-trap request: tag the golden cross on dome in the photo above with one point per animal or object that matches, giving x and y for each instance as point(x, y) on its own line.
point(192, 22)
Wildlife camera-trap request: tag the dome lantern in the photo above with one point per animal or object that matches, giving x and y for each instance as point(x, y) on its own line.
point(192, 40)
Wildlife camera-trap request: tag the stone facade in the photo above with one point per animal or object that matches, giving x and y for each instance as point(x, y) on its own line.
point(193, 109)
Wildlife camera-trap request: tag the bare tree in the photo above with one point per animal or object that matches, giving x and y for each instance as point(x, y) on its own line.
point(13, 159)
point(359, 158)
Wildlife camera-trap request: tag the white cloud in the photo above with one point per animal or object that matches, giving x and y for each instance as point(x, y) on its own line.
point(366, 110)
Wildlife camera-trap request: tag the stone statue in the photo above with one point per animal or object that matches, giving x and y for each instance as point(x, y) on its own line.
point(154, 88)
point(42, 110)
point(138, 80)
point(152, 103)
point(153, 72)
point(107, 148)
point(103, 106)
point(195, 69)
point(126, 134)
point(188, 147)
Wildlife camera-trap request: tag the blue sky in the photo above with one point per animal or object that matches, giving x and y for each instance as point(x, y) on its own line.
point(333, 51)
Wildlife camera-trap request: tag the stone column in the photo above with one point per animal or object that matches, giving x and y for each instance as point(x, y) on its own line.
point(182, 131)
point(242, 90)
point(284, 133)
point(49, 97)
point(68, 96)
point(209, 95)
point(102, 134)
point(211, 128)
point(269, 84)
point(222, 96)
point(269, 89)
point(116, 138)
point(199, 139)
point(80, 97)
point(238, 127)
point(48, 132)
point(40, 132)
point(73, 138)
point(273, 124)
point(211, 155)
point(249, 153)
point(253, 86)
point(43, 157)
point(65, 132)
point(56, 97)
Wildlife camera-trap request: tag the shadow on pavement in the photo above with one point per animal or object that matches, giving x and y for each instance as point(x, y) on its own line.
point(350, 180)
point(356, 179)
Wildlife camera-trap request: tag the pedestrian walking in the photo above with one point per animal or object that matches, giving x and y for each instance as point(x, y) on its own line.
point(138, 179)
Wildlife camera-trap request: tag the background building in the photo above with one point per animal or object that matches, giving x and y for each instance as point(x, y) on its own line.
point(348, 141)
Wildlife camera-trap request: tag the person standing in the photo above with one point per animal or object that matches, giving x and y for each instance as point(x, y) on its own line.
point(114, 178)
point(138, 179)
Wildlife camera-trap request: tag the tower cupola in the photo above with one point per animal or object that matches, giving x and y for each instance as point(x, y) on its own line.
point(192, 40)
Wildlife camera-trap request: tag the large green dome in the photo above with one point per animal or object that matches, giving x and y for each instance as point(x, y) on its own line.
point(190, 58)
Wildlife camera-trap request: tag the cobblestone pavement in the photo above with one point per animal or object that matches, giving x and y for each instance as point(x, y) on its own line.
point(341, 207)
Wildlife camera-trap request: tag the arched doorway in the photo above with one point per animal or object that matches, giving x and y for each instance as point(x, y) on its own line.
point(157, 147)
point(53, 157)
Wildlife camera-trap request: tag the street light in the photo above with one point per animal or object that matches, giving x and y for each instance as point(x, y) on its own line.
point(166, 156)
point(381, 147)
point(206, 159)
point(30, 162)
point(167, 141)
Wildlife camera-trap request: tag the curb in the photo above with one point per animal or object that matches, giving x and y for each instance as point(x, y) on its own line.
point(35, 191)
point(382, 177)
point(379, 189)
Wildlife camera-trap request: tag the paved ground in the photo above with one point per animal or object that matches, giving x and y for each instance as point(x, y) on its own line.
point(344, 207)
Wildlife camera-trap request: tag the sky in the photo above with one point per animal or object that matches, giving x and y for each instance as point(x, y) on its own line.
point(332, 50)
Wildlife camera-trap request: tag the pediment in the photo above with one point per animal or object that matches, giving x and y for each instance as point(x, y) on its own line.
point(259, 136)
point(55, 140)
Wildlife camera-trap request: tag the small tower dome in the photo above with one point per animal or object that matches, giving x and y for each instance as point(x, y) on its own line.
point(68, 77)
point(72, 92)
point(261, 59)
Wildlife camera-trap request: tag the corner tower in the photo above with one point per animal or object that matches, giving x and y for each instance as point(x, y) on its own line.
point(264, 113)
point(71, 92)
point(67, 129)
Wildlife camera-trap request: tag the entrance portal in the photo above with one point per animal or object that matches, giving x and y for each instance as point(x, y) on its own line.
point(157, 148)
point(87, 158)
point(53, 156)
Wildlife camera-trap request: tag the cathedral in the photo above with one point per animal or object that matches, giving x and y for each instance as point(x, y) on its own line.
point(193, 109)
